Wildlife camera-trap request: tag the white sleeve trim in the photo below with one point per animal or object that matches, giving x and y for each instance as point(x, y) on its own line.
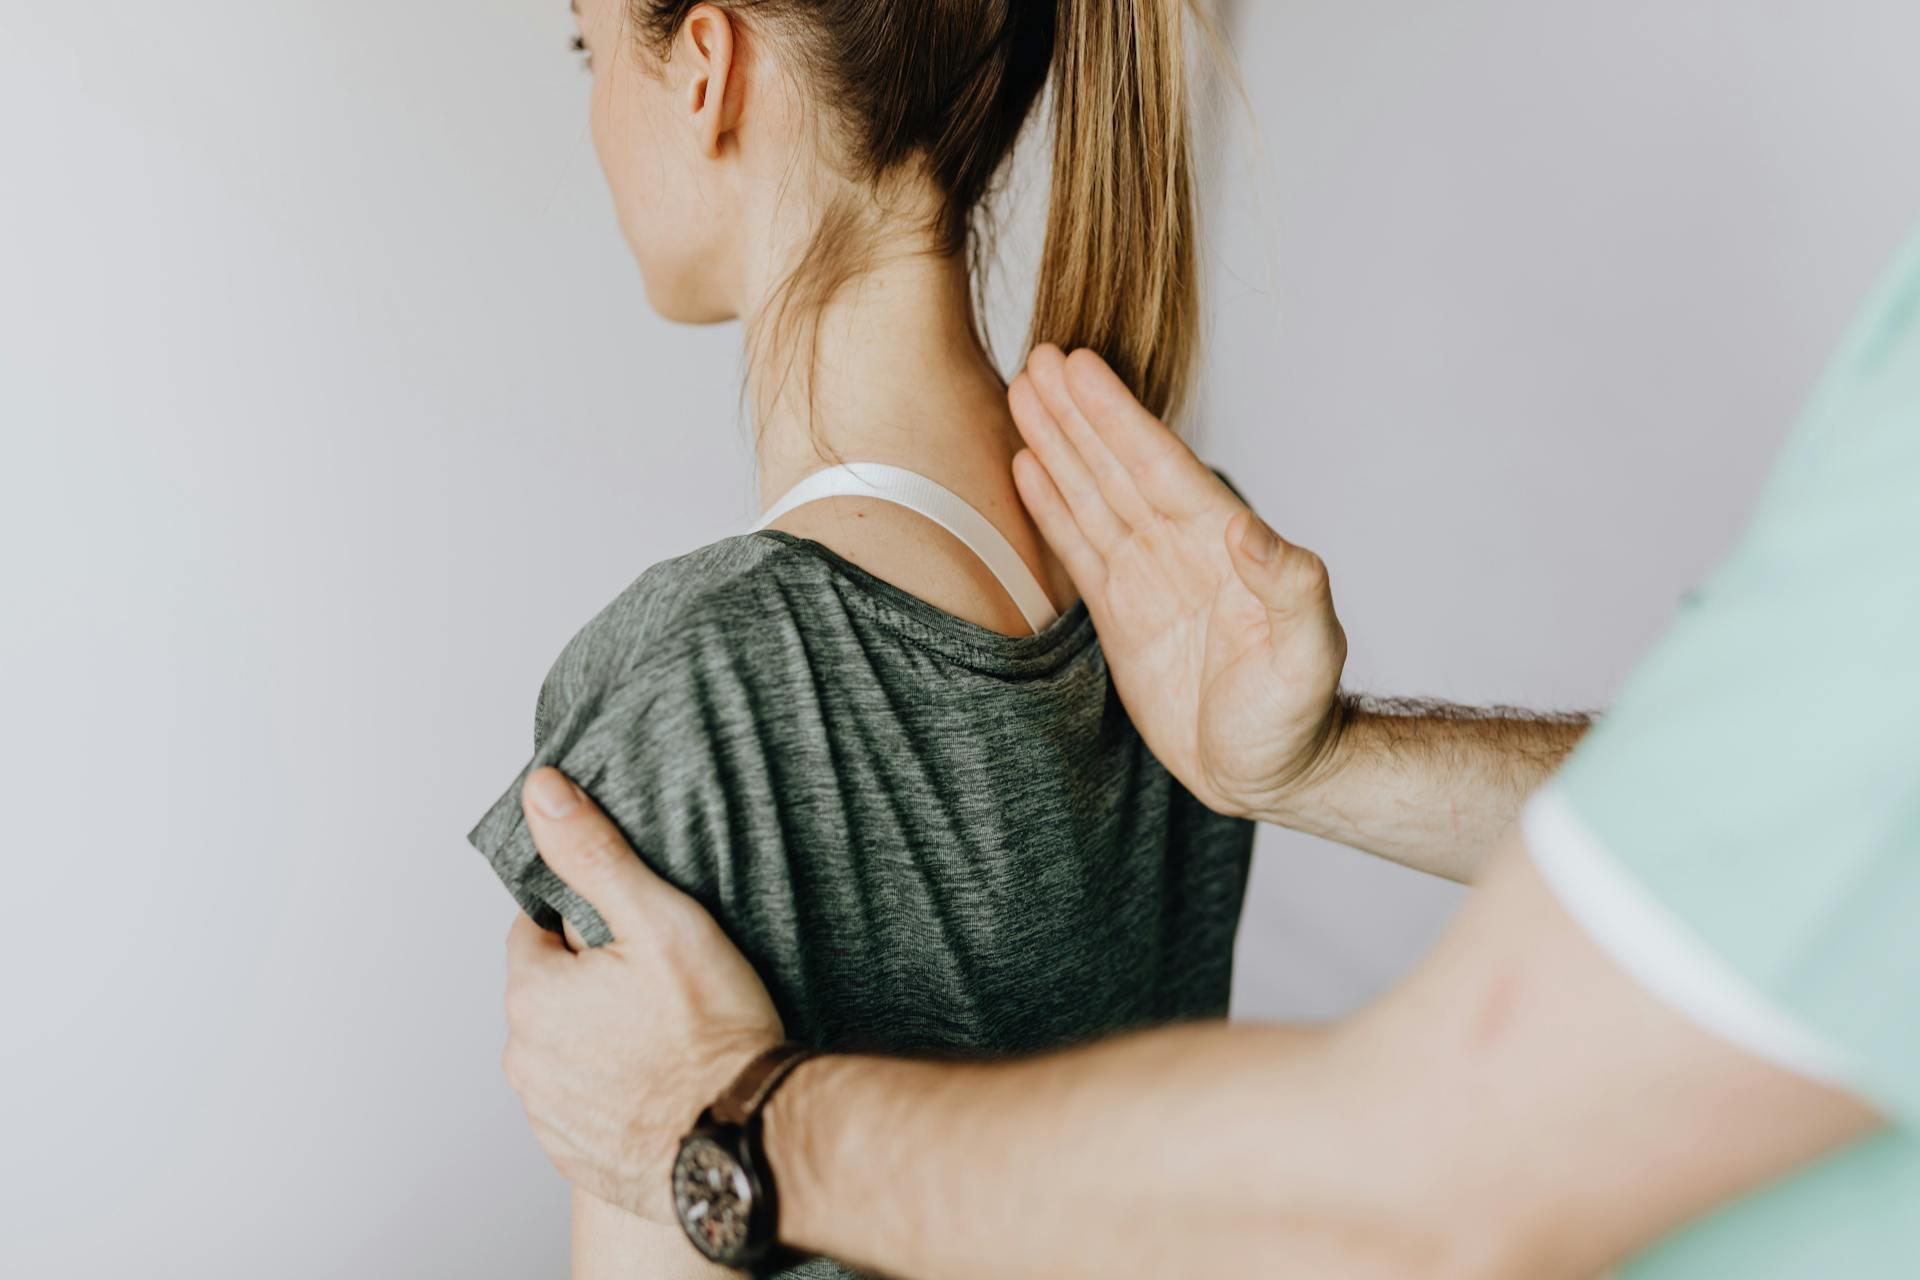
point(1657, 950)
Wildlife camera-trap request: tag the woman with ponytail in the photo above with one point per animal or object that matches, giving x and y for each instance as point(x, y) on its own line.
point(875, 735)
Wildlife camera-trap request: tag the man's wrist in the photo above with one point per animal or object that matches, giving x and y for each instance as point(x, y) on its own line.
point(844, 1129)
point(1290, 799)
point(792, 1136)
point(1427, 784)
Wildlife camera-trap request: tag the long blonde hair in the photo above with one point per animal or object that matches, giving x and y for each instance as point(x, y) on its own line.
point(1118, 273)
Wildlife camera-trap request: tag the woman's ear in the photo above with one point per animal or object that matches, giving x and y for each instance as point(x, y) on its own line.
point(714, 87)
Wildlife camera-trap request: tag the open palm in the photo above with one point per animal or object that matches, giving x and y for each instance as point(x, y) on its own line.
point(1221, 637)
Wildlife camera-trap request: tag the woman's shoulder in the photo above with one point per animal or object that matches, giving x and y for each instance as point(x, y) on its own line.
point(721, 601)
point(765, 613)
point(693, 589)
point(697, 590)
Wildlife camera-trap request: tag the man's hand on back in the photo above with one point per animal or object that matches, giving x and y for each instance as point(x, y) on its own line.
point(1221, 636)
point(1223, 643)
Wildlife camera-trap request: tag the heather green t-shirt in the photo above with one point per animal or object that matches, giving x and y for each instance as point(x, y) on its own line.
point(926, 836)
point(1743, 831)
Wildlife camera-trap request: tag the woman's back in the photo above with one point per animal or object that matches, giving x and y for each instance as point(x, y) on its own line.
point(925, 834)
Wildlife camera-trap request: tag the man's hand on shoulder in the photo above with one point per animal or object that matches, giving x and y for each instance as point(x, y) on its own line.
point(1221, 635)
point(615, 1050)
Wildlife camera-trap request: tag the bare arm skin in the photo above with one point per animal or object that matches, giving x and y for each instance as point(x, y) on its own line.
point(1224, 645)
point(1205, 1149)
point(1429, 785)
point(1267, 1150)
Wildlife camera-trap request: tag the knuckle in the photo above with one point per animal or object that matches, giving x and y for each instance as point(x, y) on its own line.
point(672, 933)
point(688, 920)
point(602, 849)
point(1311, 570)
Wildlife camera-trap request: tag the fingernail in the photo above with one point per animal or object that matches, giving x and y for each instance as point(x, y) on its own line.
point(553, 795)
point(1258, 541)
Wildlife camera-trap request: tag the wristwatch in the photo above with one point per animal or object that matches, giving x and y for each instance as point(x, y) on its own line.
point(723, 1188)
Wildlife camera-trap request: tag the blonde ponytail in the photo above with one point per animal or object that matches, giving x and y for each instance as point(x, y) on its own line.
point(1118, 273)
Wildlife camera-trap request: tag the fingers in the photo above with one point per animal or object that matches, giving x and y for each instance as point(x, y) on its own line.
point(1075, 484)
point(1164, 471)
point(585, 849)
point(1049, 511)
point(1046, 368)
point(1283, 577)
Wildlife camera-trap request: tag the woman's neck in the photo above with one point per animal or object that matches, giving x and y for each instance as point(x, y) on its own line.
point(896, 376)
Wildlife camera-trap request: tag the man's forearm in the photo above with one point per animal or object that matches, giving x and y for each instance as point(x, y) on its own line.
point(1429, 785)
point(1517, 1107)
point(1151, 1155)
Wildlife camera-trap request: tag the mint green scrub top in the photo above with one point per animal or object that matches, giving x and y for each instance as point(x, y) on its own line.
point(1742, 832)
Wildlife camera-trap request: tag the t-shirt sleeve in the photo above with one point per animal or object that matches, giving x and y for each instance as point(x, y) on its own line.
point(1743, 829)
point(636, 748)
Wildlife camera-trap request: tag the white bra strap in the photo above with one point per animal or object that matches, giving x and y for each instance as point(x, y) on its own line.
point(942, 506)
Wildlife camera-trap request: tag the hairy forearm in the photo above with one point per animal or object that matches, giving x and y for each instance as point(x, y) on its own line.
point(1198, 1150)
point(1429, 785)
point(1428, 1136)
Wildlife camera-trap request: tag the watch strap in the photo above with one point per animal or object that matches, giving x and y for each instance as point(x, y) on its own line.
point(754, 1086)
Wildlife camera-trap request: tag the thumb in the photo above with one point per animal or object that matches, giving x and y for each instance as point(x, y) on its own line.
point(1283, 577)
point(581, 845)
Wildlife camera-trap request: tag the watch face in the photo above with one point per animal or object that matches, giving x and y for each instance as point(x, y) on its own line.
point(713, 1197)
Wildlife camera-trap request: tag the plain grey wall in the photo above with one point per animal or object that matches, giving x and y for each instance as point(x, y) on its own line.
point(331, 408)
